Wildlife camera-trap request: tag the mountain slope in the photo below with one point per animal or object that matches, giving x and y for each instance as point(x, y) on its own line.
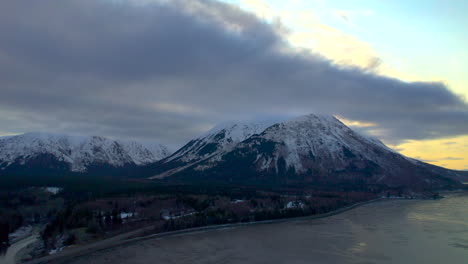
point(211, 145)
point(311, 149)
point(36, 153)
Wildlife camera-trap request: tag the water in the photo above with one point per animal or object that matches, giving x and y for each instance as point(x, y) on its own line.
point(403, 231)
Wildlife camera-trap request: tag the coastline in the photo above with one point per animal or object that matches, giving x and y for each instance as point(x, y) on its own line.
point(129, 238)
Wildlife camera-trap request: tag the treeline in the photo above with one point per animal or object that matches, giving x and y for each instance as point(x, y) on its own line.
point(274, 208)
point(9, 222)
point(59, 231)
point(99, 187)
point(11, 216)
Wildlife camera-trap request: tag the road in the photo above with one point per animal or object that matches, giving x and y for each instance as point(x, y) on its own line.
point(9, 257)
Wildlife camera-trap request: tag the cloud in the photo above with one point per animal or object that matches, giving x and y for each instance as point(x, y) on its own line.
point(450, 143)
point(398, 149)
point(452, 158)
point(428, 160)
point(438, 160)
point(354, 123)
point(168, 70)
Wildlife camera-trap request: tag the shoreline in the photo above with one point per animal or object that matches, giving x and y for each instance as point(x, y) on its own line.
point(113, 242)
point(139, 235)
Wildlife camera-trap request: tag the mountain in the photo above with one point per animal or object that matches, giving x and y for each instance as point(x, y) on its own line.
point(312, 149)
point(211, 145)
point(41, 153)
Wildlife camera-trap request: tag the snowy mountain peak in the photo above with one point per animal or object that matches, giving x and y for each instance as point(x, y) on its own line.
point(78, 152)
point(239, 131)
point(312, 136)
point(219, 139)
point(295, 133)
point(316, 118)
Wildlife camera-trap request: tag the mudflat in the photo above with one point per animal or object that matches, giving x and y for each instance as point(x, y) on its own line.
point(395, 231)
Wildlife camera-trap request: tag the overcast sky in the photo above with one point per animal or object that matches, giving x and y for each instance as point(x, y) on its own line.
point(167, 71)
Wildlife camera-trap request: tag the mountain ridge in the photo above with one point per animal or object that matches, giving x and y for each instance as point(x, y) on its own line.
point(74, 154)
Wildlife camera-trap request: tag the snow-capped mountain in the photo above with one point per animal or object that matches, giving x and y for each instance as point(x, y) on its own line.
point(211, 145)
point(311, 148)
point(219, 139)
point(76, 154)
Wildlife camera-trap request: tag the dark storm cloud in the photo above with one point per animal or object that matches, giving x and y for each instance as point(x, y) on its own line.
point(169, 70)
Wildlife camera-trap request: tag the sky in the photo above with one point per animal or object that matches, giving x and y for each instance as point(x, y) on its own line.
point(168, 70)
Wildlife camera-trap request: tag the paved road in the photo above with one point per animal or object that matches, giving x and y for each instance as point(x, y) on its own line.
point(9, 257)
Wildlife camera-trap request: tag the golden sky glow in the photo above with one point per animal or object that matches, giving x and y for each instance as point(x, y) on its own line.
point(450, 152)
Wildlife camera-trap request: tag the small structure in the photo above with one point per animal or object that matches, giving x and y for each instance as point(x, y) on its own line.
point(168, 214)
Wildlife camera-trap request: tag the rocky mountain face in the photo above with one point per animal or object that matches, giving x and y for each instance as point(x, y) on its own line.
point(40, 153)
point(312, 149)
point(212, 145)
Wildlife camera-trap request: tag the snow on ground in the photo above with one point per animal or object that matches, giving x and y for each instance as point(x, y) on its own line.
point(237, 201)
point(53, 190)
point(125, 215)
point(295, 204)
point(168, 215)
point(20, 233)
point(55, 250)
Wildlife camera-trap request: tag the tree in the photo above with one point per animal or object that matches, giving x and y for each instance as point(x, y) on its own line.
point(116, 218)
point(4, 231)
point(254, 202)
point(108, 219)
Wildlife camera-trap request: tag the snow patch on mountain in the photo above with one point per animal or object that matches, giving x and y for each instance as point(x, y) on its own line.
point(240, 130)
point(219, 140)
point(321, 137)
